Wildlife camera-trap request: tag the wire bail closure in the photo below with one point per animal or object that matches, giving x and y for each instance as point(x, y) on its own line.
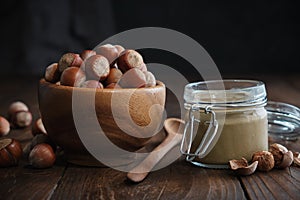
point(208, 137)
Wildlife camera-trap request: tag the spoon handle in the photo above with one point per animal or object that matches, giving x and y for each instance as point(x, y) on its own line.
point(140, 172)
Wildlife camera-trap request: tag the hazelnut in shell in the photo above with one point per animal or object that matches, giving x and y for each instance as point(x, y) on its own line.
point(21, 119)
point(129, 59)
point(10, 152)
point(133, 78)
point(72, 76)
point(96, 67)
point(67, 60)
point(4, 126)
point(42, 156)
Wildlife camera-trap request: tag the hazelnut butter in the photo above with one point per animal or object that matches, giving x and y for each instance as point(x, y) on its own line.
point(225, 120)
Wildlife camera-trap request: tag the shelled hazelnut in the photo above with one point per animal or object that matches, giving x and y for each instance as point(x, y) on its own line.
point(38, 127)
point(42, 156)
point(265, 160)
point(10, 152)
point(4, 126)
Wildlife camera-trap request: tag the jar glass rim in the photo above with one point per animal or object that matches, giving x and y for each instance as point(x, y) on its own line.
point(225, 92)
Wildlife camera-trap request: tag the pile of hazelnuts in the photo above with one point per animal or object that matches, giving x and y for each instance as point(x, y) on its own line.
point(107, 66)
point(40, 152)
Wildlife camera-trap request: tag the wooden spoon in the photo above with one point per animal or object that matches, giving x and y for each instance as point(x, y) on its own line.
point(173, 138)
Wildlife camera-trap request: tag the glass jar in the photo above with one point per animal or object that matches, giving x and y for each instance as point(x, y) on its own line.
point(226, 119)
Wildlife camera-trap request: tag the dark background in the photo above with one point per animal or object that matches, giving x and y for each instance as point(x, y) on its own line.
point(241, 36)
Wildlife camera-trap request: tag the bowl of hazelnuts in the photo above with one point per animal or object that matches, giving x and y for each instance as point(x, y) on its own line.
point(119, 82)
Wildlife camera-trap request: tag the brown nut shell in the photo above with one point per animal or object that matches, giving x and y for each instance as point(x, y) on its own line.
point(97, 67)
point(277, 150)
point(38, 127)
point(133, 78)
point(114, 76)
point(42, 156)
point(87, 53)
point(4, 126)
point(287, 160)
point(10, 152)
point(129, 59)
point(242, 168)
point(265, 160)
point(72, 76)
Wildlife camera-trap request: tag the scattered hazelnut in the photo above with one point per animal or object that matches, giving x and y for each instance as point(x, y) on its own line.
point(52, 73)
point(241, 167)
point(283, 158)
point(296, 159)
point(42, 156)
point(38, 128)
point(109, 51)
point(67, 60)
point(97, 67)
point(150, 79)
point(133, 78)
point(129, 59)
point(265, 160)
point(16, 107)
point(87, 53)
point(91, 84)
point(42, 138)
point(10, 152)
point(72, 76)
point(113, 76)
point(119, 48)
point(21, 119)
point(4, 126)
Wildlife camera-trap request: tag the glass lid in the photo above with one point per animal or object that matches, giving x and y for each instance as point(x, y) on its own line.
point(283, 120)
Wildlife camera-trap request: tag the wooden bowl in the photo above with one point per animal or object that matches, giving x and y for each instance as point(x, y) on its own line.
point(55, 103)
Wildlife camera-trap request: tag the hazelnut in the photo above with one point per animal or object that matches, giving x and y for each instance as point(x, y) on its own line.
point(296, 159)
point(87, 53)
point(97, 67)
point(241, 167)
point(133, 78)
point(4, 126)
point(42, 156)
point(21, 119)
point(150, 79)
point(52, 73)
point(283, 158)
point(113, 76)
point(42, 138)
point(113, 85)
point(109, 51)
point(16, 107)
point(67, 60)
point(72, 76)
point(265, 160)
point(10, 152)
point(143, 67)
point(119, 48)
point(91, 84)
point(129, 59)
point(38, 128)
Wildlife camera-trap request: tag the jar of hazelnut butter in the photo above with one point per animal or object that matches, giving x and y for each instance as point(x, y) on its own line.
point(225, 119)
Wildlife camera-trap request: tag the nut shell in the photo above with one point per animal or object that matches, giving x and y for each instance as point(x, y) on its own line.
point(69, 59)
point(242, 168)
point(52, 73)
point(97, 67)
point(265, 160)
point(38, 127)
point(72, 76)
point(129, 59)
point(10, 152)
point(42, 156)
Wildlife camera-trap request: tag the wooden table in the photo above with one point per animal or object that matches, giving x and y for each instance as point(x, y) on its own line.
point(180, 180)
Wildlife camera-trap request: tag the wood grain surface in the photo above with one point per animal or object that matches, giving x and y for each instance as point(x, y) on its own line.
point(180, 180)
